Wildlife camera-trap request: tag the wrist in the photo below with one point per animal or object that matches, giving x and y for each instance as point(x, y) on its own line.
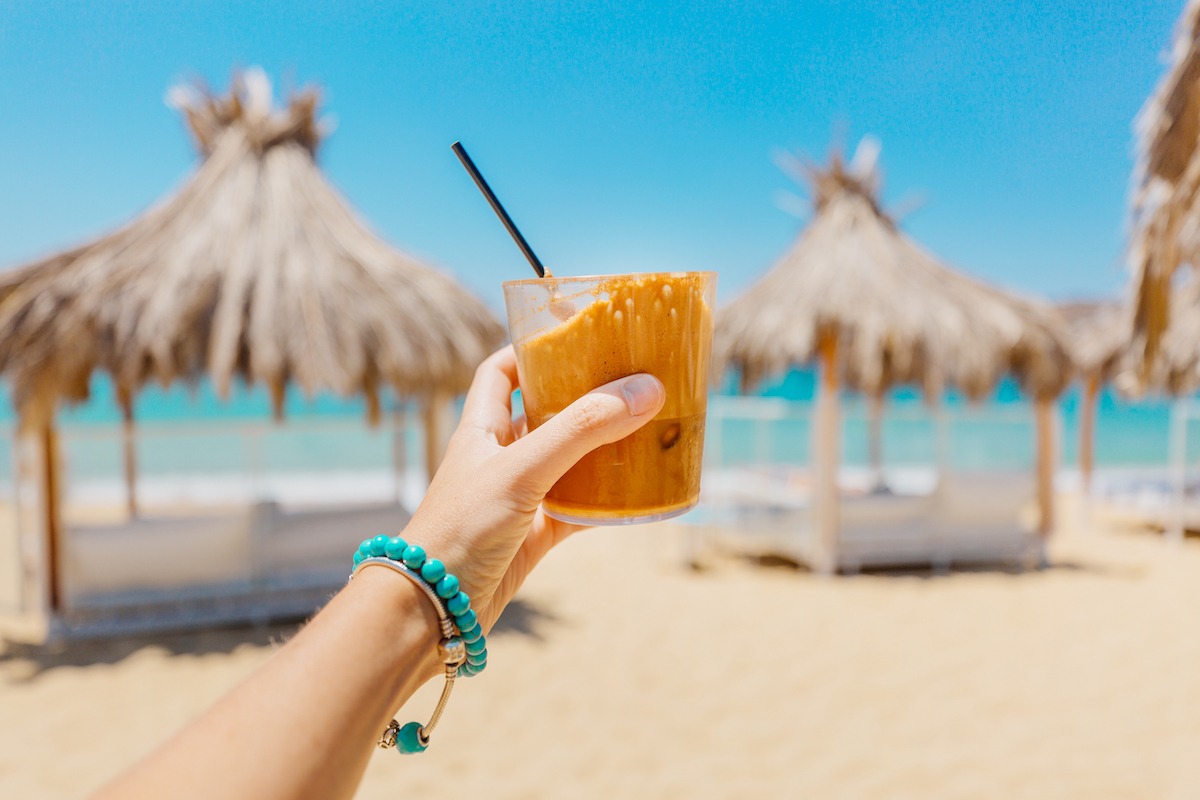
point(446, 614)
point(414, 648)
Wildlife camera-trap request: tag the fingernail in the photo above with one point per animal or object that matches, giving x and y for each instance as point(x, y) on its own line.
point(641, 393)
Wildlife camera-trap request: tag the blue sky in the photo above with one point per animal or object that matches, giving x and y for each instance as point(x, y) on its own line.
point(620, 135)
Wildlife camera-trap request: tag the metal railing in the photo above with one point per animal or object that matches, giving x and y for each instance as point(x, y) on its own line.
point(306, 460)
point(771, 431)
point(1184, 414)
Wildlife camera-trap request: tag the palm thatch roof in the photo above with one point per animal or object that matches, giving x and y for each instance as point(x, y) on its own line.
point(1098, 335)
point(1166, 198)
point(1101, 344)
point(900, 316)
point(1176, 366)
point(256, 268)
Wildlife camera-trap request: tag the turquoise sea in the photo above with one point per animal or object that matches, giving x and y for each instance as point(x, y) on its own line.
point(189, 432)
point(997, 432)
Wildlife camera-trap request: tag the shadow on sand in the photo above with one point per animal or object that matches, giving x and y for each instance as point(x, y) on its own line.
point(30, 660)
point(524, 618)
point(21, 662)
point(782, 562)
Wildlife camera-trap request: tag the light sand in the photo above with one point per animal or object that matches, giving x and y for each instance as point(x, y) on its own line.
point(622, 674)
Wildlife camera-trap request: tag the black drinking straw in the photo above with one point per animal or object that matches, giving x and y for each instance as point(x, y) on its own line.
point(499, 209)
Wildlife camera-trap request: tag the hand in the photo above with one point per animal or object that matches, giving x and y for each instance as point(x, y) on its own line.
point(482, 515)
point(334, 686)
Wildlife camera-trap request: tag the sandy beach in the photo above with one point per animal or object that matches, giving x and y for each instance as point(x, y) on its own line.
point(621, 673)
point(251, 281)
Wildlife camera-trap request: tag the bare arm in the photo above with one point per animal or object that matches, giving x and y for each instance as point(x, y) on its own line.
point(304, 724)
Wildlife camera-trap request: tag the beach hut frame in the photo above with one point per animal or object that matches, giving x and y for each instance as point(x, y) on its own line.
point(874, 311)
point(1099, 336)
point(254, 269)
point(827, 456)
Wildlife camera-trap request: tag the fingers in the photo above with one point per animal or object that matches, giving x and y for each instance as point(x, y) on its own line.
point(489, 400)
point(603, 415)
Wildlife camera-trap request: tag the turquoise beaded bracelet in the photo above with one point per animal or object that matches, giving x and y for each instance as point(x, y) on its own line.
point(463, 648)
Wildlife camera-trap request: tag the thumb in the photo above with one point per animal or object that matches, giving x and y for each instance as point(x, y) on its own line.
point(606, 414)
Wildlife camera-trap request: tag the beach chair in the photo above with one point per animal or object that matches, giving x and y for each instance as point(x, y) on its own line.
point(252, 565)
point(143, 555)
point(879, 530)
point(760, 507)
point(973, 517)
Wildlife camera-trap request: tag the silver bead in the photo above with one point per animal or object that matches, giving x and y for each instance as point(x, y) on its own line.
point(452, 651)
point(388, 739)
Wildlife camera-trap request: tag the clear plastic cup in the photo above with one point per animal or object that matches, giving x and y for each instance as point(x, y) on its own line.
point(574, 334)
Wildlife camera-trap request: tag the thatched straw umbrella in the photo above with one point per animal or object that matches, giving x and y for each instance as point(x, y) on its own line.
point(1166, 200)
point(1098, 334)
point(1176, 368)
point(870, 305)
point(256, 269)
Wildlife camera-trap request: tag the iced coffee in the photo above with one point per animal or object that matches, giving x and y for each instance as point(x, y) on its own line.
point(574, 334)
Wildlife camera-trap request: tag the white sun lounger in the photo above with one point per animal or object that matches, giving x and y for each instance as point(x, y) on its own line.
point(249, 566)
point(969, 518)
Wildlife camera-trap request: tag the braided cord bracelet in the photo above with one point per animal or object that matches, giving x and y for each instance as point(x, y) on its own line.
point(462, 649)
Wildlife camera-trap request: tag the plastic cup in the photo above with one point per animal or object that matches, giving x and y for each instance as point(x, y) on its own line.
point(574, 334)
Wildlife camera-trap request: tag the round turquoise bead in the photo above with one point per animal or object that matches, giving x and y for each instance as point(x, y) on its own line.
point(477, 660)
point(476, 647)
point(472, 634)
point(447, 587)
point(408, 739)
point(365, 548)
point(358, 558)
point(395, 548)
point(433, 571)
point(379, 545)
point(459, 604)
point(467, 671)
point(466, 620)
point(414, 556)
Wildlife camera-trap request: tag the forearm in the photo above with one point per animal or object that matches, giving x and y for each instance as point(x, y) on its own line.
point(305, 723)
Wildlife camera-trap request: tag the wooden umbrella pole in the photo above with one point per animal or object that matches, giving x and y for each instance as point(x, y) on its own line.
point(875, 438)
point(399, 450)
point(129, 451)
point(1087, 431)
point(826, 438)
point(50, 497)
point(1044, 420)
point(435, 431)
point(941, 443)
